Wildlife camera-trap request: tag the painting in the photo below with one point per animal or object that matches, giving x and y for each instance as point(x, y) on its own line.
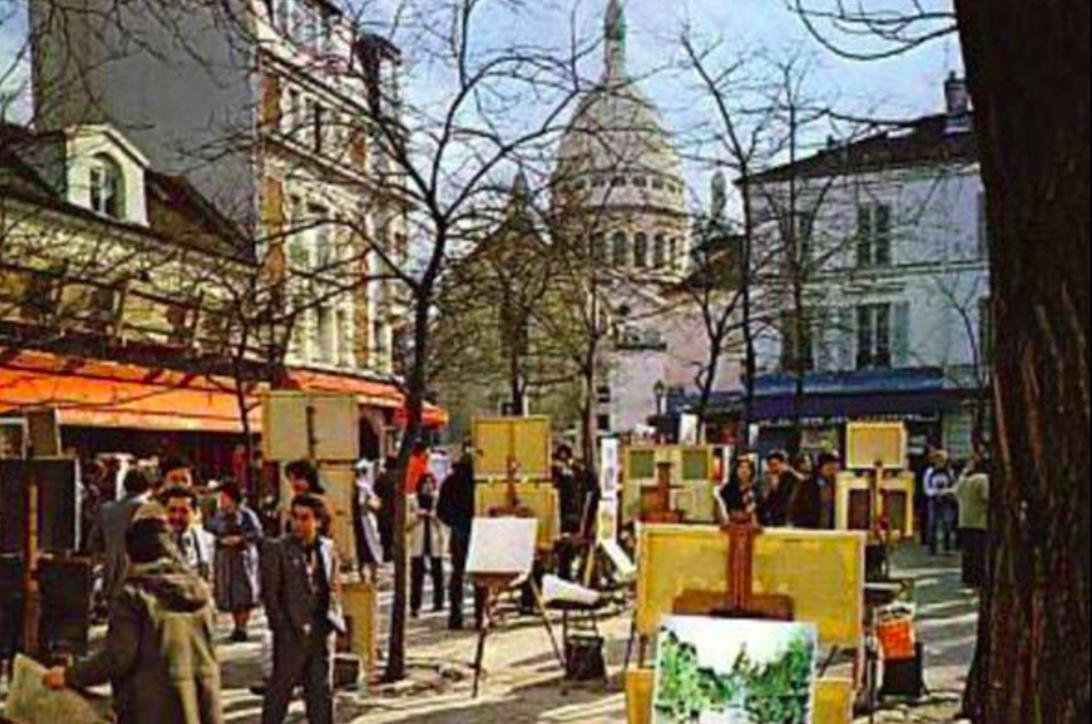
point(734, 671)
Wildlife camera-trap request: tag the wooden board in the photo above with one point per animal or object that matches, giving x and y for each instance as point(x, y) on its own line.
point(822, 571)
point(500, 439)
point(539, 497)
point(335, 419)
point(870, 442)
point(360, 603)
point(852, 502)
point(339, 482)
point(833, 698)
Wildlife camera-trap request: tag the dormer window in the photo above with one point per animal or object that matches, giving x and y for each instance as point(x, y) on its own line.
point(107, 187)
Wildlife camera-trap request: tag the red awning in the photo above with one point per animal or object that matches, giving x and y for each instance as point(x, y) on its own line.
point(95, 393)
point(370, 392)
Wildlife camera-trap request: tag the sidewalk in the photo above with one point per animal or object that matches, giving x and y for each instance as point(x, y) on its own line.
point(523, 681)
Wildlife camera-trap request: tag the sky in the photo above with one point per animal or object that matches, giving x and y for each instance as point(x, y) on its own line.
point(902, 87)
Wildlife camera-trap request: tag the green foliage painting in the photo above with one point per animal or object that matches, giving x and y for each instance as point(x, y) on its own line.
point(764, 680)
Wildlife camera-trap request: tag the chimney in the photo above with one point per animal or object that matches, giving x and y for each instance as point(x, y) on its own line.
point(958, 100)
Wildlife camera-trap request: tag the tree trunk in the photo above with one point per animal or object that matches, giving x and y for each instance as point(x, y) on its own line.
point(1028, 70)
point(396, 645)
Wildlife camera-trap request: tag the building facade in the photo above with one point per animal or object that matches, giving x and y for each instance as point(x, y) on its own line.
point(894, 282)
point(262, 105)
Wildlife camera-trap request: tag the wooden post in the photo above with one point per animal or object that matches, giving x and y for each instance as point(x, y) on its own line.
point(32, 593)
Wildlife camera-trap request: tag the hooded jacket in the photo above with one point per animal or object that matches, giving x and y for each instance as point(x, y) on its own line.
point(158, 655)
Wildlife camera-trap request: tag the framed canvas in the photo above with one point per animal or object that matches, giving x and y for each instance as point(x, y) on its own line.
point(734, 671)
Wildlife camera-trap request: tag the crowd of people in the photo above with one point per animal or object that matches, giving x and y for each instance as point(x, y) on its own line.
point(795, 493)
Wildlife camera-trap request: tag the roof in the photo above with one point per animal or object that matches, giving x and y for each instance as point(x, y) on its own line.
point(926, 141)
point(220, 236)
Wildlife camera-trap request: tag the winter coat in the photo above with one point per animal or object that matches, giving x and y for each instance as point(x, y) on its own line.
point(812, 504)
point(455, 507)
point(158, 654)
point(421, 530)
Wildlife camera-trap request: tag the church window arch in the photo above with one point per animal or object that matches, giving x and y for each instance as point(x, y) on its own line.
point(640, 250)
point(620, 249)
point(659, 252)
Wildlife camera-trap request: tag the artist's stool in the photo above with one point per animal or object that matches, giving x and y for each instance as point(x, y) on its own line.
point(583, 641)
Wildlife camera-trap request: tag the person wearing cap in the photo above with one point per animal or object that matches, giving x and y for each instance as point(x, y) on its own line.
point(159, 655)
point(812, 503)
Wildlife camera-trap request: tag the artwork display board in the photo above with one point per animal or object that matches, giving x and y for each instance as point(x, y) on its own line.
point(870, 442)
point(734, 671)
point(57, 480)
point(502, 546)
point(501, 440)
point(692, 473)
point(853, 503)
point(310, 425)
point(823, 572)
point(541, 498)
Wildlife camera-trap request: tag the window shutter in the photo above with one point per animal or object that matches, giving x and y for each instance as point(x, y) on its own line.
point(271, 101)
point(273, 206)
point(901, 335)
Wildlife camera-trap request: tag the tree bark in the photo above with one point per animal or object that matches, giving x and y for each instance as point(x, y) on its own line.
point(1027, 65)
point(418, 380)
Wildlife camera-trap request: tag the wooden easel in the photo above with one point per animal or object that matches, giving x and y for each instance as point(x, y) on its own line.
point(740, 600)
point(656, 503)
point(495, 584)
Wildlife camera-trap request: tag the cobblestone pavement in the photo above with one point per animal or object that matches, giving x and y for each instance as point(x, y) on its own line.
point(523, 682)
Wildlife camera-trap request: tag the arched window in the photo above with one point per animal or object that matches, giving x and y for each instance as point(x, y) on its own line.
point(659, 252)
point(673, 260)
point(599, 248)
point(640, 250)
point(107, 187)
point(620, 249)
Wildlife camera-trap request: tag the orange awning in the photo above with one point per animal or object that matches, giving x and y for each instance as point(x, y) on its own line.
point(370, 392)
point(94, 393)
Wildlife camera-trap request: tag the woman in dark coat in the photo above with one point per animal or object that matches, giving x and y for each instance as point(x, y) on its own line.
point(739, 497)
point(158, 654)
point(238, 532)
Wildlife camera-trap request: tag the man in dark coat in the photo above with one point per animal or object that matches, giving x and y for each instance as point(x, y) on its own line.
point(301, 593)
point(812, 504)
point(456, 510)
point(780, 484)
point(158, 653)
point(108, 537)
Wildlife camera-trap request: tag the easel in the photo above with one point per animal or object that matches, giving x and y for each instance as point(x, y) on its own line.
point(878, 535)
point(495, 584)
point(656, 503)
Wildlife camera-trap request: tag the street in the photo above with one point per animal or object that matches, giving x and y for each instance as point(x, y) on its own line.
point(523, 682)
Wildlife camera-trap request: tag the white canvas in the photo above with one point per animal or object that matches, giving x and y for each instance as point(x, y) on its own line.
point(502, 546)
point(733, 671)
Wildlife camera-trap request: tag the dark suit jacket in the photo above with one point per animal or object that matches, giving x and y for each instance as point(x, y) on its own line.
point(288, 592)
point(108, 539)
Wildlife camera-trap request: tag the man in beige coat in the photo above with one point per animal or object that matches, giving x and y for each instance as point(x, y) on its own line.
point(972, 492)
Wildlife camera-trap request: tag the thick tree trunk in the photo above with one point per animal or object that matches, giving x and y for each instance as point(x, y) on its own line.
point(1028, 65)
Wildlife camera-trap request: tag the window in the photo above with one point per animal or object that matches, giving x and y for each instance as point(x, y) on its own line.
point(40, 296)
point(618, 181)
point(657, 184)
point(107, 187)
point(321, 238)
point(602, 394)
point(640, 250)
point(620, 249)
point(327, 334)
point(599, 248)
point(640, 182)
point(874, 235)
point(659, 252)
point(874, 336)
point(673, 257)
point(602, 422)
